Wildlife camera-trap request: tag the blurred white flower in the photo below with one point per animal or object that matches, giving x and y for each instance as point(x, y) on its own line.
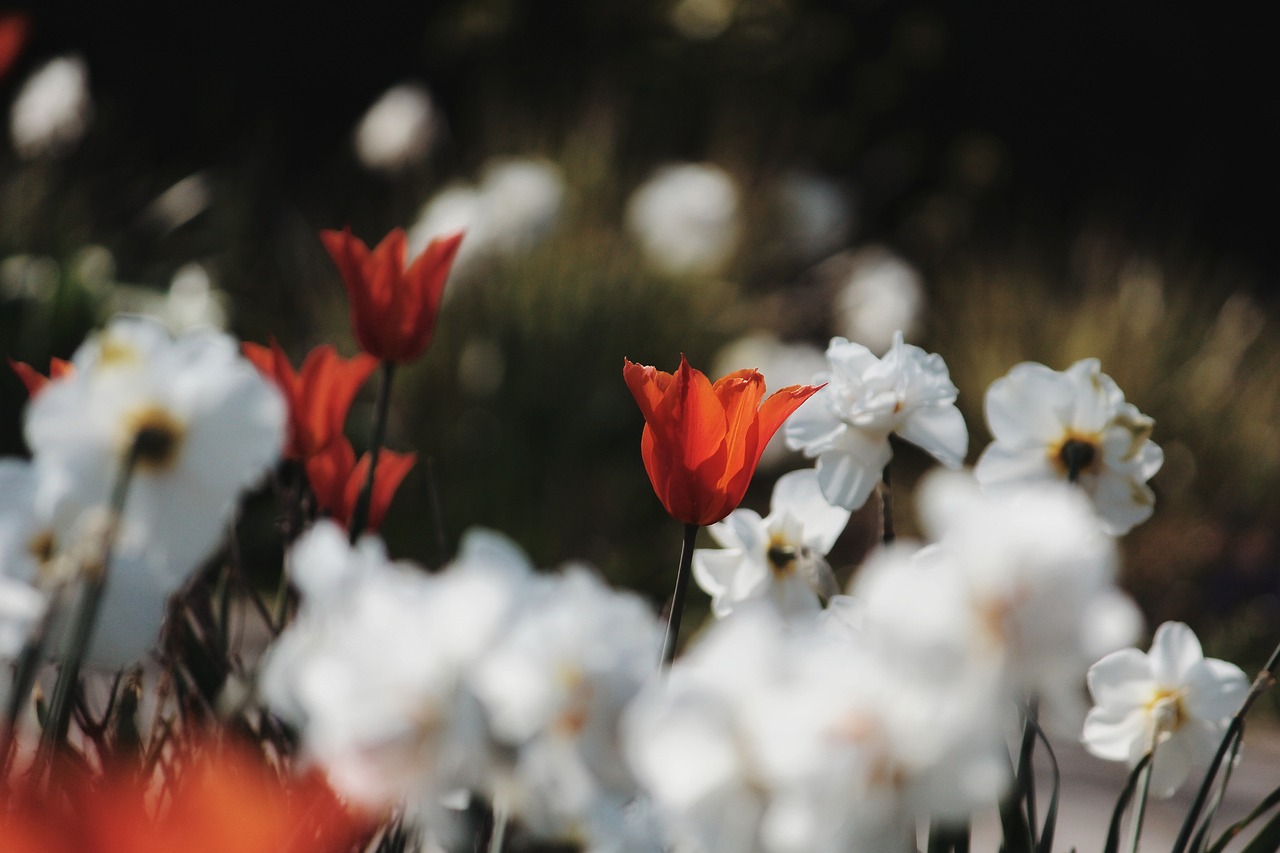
point(193, 301)
point(686, 219)
point(554, 687)
point(201, 423)
point(816, 218)
point(399, 129)
point(1173, 700)
point(53, 108)
point(372, 668)
point(35, 563)
point(1036, 575)
point(1050, 425)
point(847, 424)
point(787, 741)
point(881, 294)
point(408, 687)
point(779, 558)
point(517, 204)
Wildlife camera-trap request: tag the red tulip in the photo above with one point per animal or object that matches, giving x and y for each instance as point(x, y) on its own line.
point(393, 309)
point(13, 34)
point(702, 442)
point(319, 396)
point(336, 479)
point(34, 379)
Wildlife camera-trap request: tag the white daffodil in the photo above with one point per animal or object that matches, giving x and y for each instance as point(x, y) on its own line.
point(35, 564)
point(779, 558)
point(1071, 425)
point(1172, 699)
point(200, 422)
point(554, 687)
point(1037, 577)
point(847, 424)
point(782, 741)
point(372, 669)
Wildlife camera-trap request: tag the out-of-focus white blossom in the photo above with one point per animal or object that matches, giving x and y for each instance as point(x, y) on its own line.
point(846, 425)
point(517, 204)
point(409, 686)
point(35, 564)
point(1173, 700)
point(399, 129)
point(554, 687)
point(193, 301)
point(686, 219)
point(200, 420)
point(53, 108)
point(764, 739)
point(779, 558)
point(781, 364)
point(1036, 577)
point(815, 218)
point(1048, 425)
point(880, 295)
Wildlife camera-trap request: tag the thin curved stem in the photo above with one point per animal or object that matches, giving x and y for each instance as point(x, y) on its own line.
point(672, 635)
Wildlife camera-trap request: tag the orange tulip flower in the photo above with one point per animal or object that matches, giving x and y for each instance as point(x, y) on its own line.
point(319, 396)
point(393, 309)
point(34, 379)
point(231, 802)
point(337, 478)
point(702, 442)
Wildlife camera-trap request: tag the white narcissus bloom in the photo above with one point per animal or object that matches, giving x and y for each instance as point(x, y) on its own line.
point(554, 687)
point(779, 558)
point(1037, 576)
point(35, 564)
point(372, 668)
point(787, 741)
point(1051, 425)
point(1172, 699)
point(202, 422)
point(847, 424)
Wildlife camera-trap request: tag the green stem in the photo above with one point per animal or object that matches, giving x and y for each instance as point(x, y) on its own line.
point(382, 408)
point(672, 635)
point(1140, 808)
point(93, 583)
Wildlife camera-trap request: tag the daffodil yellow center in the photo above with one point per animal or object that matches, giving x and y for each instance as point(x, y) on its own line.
point(782, 555)
point(117, 353)
point(1076, 454)
point(1165, 706)
point(155, 437)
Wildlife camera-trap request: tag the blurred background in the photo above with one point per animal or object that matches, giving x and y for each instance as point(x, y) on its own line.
point(737, 180)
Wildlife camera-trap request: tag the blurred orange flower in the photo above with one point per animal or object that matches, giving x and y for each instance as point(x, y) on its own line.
point(393, 309)
point(337, 478)
point(34, 379)
point(319, 396)
point(228, 803)
point(702, 442)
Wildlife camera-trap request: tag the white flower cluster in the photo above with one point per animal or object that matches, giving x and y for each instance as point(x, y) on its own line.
point(183, 426)
point(484, 677)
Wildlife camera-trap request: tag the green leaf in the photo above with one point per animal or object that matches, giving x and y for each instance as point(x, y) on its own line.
point(1122, 803)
